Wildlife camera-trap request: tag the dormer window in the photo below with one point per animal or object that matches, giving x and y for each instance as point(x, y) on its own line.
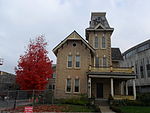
point(96, 42)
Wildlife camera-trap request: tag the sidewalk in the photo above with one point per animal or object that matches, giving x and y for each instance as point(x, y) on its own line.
point(106, 109)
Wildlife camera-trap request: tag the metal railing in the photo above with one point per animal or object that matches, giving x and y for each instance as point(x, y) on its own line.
point(13, 98)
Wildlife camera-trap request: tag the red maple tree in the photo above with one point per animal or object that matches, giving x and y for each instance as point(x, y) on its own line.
point(34, 67)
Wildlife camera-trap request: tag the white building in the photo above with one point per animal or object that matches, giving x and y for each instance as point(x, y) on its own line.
point(139, 57)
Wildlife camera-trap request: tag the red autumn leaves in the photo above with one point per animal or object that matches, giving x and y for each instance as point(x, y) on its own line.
point(43, 108)
point(34, 67)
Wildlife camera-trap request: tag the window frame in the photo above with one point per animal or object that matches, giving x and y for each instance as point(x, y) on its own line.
point(103, 37)
point(76, 61)
point(96, 42)
point(67, 86)
point(68, 61)
point(103, 61)
point(142, 72)
point(78, 86)
point(148, 70)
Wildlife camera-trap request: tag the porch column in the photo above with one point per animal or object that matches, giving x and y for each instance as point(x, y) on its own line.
point(122, 88)
point(126, 88)
point(112, 87)
point(94, 61)
point(134, 89)
point(89, 88)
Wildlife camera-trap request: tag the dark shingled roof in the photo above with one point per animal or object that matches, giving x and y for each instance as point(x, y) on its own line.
point(116, 54)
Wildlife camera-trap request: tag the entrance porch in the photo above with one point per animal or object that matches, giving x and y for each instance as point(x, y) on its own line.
point(103, 84)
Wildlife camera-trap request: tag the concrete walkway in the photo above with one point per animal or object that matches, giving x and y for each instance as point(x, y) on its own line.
point(106, 109)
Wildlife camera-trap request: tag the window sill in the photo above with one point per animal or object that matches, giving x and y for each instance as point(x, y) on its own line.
point(103, 48)
point(76, 92)
point(77, 68)
point(68, 92)
point(69, 67)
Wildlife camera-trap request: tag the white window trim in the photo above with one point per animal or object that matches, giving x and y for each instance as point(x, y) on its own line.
point(75, 62)
point(67, 61)
point(74, 86)
point(102, 42)
point(70, 86)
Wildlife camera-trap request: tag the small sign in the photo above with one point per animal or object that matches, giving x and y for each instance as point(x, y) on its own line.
point(28, 109)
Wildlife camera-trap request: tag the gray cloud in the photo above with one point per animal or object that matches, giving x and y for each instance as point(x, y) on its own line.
point(22, 20)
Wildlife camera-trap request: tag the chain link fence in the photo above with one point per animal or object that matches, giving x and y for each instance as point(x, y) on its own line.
point(14, 98)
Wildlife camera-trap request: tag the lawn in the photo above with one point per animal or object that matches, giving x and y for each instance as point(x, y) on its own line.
point(135, 109)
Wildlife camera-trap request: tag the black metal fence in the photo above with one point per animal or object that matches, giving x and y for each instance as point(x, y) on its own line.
point(14, 98)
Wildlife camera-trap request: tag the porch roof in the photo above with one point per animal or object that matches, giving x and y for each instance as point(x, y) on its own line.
point(111, 75)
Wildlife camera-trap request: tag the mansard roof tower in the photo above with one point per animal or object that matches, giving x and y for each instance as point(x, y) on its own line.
point(98, 34)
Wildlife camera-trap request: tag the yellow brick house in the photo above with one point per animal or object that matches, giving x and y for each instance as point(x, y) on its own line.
point(91, 66)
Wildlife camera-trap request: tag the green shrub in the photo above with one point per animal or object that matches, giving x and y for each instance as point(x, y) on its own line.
point(144, 99)
point(128, 103)
point(115, 109)
point(119, 102)
point(133, 103)
point(81, 100)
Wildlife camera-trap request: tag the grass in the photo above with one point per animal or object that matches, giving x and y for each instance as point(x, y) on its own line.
point(135, 109)
point(78, 108)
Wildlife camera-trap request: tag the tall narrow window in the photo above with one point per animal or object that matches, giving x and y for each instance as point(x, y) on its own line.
point(148, 70)
point(136, 70)
point(68, 85)
point(77, 61)
point(76, 88)
point(103, 42)
point(54, 75)
point(142, 71)
point(70, 61)
point(96, 42)
point(104, 61)
point(96, 62)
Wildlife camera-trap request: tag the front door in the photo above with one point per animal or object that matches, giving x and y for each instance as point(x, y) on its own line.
point(99, 90)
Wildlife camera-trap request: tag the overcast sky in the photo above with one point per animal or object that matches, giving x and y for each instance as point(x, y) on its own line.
point(22, 20)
